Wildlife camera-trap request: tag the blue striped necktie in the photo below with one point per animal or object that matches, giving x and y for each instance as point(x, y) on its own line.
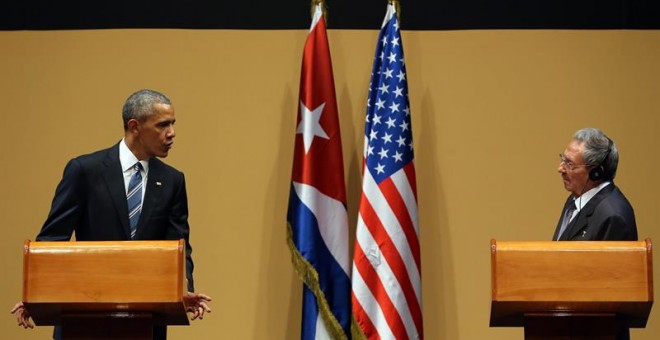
point(134, 198)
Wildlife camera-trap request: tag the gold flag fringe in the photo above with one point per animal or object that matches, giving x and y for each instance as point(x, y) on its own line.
point(310, 277)
point(356, 331)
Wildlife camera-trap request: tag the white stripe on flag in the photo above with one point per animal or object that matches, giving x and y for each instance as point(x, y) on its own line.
point(321, 331)
point(403, 186)
point(332, 220)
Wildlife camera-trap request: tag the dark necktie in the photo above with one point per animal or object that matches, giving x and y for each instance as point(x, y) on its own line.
point(567, 219)
point(134, 198)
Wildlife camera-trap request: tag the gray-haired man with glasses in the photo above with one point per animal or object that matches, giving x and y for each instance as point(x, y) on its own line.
point(596, 210)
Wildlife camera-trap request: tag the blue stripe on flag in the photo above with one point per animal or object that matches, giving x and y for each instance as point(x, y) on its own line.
point(311, 312)
point(310, 244)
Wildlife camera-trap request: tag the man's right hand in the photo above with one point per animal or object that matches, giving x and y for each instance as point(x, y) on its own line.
point(22, 315)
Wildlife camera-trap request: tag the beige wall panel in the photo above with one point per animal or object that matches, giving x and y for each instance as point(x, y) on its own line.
point(491, 110)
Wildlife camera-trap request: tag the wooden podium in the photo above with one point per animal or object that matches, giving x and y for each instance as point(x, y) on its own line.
point(571, 290)
point(105, 290)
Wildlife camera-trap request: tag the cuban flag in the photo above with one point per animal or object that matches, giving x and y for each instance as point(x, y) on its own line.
point(317, 217)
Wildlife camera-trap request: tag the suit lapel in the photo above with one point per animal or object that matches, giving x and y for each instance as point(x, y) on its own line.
point(114, 181)
point(579, 224)
point(569, 201)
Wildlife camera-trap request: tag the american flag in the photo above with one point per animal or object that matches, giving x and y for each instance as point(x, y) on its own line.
point(386, 282)
point(317, 217)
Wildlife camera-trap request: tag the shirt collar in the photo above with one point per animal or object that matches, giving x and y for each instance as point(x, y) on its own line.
point(581, 201)
point(127, 159)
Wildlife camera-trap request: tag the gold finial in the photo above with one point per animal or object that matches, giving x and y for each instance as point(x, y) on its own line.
point(397, 8)
point(323, 8)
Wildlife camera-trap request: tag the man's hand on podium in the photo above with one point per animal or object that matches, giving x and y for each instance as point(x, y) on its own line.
point(197, 304)
point(22, 315)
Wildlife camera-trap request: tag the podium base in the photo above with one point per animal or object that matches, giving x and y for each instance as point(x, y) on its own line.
point(571, 326)
point(108, 326)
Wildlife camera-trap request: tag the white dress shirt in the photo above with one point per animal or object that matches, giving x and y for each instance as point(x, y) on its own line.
point(128, 160)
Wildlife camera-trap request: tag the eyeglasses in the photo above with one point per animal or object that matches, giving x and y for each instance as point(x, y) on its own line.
point(568, 164)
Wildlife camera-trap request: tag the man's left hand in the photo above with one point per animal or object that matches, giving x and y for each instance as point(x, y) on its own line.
point(197, 304)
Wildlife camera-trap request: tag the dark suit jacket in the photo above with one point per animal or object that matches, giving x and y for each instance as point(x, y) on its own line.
point(90, 200)
point(607, 217)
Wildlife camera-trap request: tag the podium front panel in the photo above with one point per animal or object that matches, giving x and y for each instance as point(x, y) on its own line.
point(571, 277)
point(98, 277)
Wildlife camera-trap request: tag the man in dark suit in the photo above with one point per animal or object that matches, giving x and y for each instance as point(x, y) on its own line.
point(596, 210)
point(91, 199)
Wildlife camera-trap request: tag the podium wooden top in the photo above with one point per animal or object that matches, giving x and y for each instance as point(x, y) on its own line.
point(104, 277)
point(571, 277)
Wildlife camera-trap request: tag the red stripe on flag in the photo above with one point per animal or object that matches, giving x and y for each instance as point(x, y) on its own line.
point(375, 285)
point(409, 170)
point(368, 328)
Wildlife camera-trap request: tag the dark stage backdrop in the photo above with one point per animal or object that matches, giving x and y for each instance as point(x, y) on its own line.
point(342, 14)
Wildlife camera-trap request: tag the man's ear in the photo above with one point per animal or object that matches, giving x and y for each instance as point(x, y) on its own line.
point(132, 126)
